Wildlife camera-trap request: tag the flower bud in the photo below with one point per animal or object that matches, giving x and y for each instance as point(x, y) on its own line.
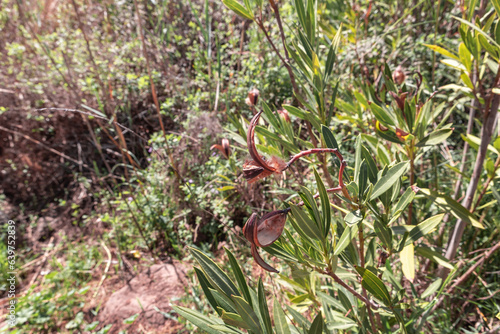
point(398, 75)
point(253, 96)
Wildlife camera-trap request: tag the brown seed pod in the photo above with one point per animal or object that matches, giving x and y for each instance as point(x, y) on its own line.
point(398, 75)
point(253, 97)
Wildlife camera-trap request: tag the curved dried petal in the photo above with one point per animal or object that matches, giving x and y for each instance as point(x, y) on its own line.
point(251, 144)
point(226, 147)
point(270, 227)
point(260, 261)
point(248, 229)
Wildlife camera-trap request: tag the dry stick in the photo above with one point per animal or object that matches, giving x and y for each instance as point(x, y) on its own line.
point(45, 147)
point(153, 92)
point(489, 123)
point(464, 277)
point(458, 185)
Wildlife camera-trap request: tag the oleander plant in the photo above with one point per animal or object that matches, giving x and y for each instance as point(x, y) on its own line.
point(348, 242)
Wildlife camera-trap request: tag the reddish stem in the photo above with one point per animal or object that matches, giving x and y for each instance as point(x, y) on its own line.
point(315, 151)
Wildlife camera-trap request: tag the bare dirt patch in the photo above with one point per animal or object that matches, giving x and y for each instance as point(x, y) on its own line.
point(155, 287)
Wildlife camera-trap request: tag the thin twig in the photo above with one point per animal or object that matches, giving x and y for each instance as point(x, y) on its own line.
point(348, 288)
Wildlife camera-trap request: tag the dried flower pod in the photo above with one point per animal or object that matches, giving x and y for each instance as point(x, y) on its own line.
point(264, 232)
point(253, 97)
point(248, 229)
point(259, 167)
point(398, 75)
point(225, 148)
point(270, 227)
point(284, 114)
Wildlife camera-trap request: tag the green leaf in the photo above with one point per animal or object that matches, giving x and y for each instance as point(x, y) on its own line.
point(382, 115)
point(240, 278)
point(131, 319)
point(348, 234)
point(435, 138)
point(325, 203)
point(406, 199)
point(247, 314)
point(496, 4)
point(280, 324)
point(450, 205)
point(199, 320)
point(433, 287)
point(215, 274)
point(424, 227)
point(264, 311)
point(238, 9)
point(353, 217)
point(305, 223)
point(317, 325)
point(372, 167)
point(431, 254)
point(442, 51)
point(475, 142)
point(407, 257)
point(474, 27)
point(234, 319)
point(388, 180)
point(374, 285)
point(384, 233)
point(363, 178)
point(205, 285)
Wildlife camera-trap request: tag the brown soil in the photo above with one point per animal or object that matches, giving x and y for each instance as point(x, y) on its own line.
point(154, 288)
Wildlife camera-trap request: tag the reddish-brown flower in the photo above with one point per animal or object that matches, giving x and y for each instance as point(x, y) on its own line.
point(259, 168)
point(225, 148)
point(253, 97)
point(398, 75)
point(264, 232)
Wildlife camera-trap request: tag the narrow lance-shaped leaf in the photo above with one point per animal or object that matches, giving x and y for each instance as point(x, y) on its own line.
point(388, 180)
point(247, 314)
point(433, 255)
point(317, 325)
point(199, 320)
point(423, 228)
point(280, 324)
point(325, 203)
point(348, 234)
point(240, 278)
point(374, 285)
point(435, 138)
point(305, 223)
point(239, 9)
point(407, 257)
point(450, 205)
point(205, 285)
point(215, 274)
point(264, 311)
